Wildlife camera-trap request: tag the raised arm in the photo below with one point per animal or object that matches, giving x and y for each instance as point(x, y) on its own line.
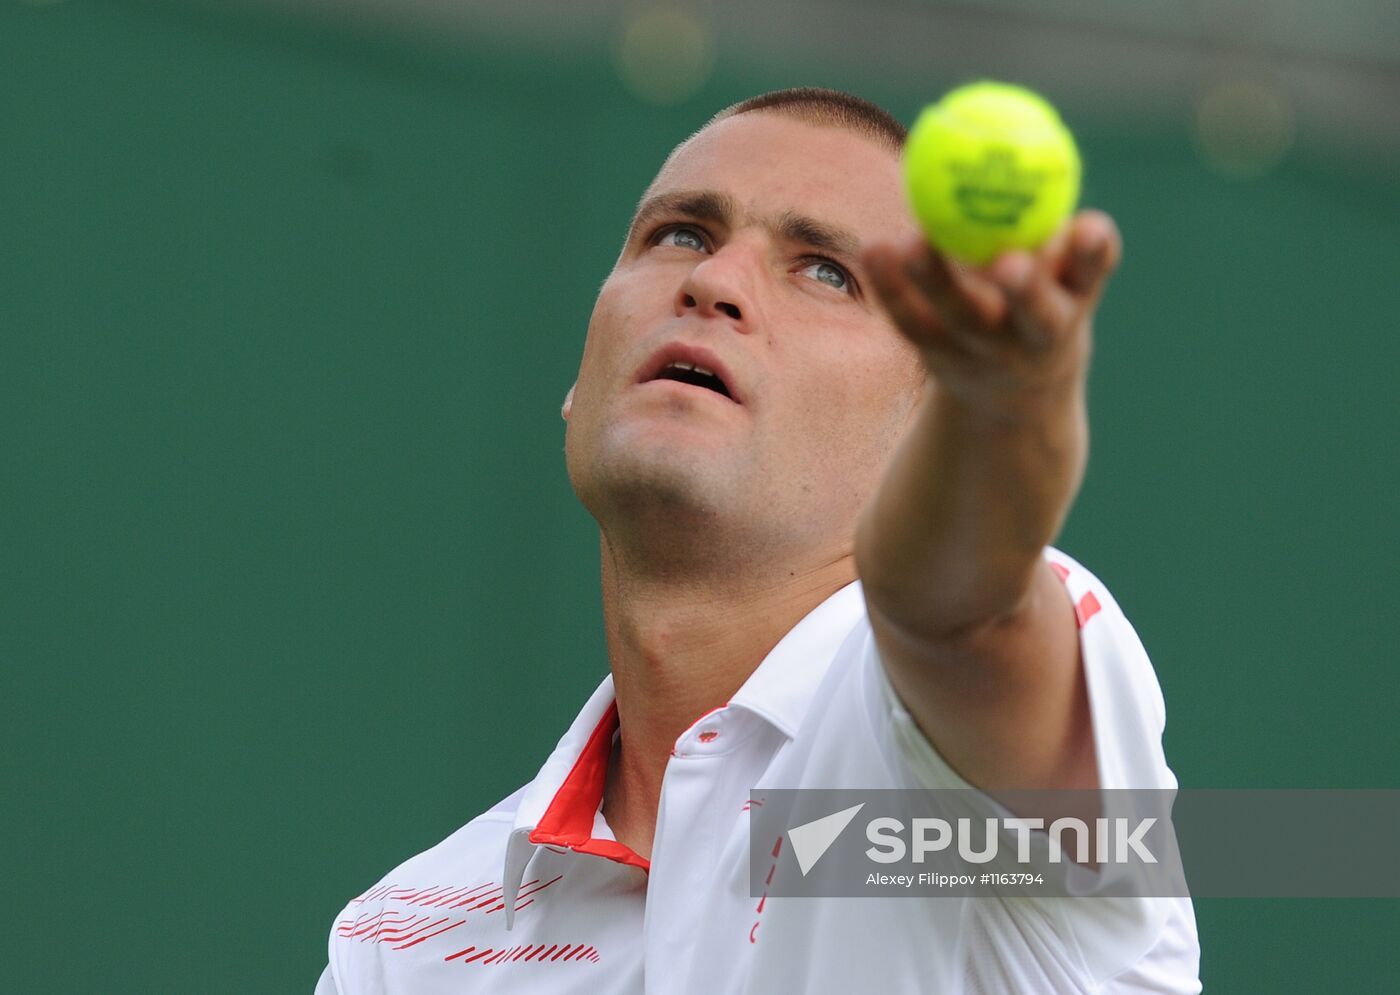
point(977, 633)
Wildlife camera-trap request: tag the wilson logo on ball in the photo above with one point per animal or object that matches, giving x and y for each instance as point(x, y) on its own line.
point(995, 190)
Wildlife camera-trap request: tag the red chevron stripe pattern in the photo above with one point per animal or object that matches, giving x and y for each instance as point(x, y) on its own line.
point(1088, 606)
point(401, 925)
point(537, 953)
point(399, 930)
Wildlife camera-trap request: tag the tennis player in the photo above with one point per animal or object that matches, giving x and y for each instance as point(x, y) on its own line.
point(827, 467)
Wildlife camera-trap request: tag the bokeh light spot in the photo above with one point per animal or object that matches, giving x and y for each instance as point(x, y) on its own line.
point(1243, 128)
point(664, 52)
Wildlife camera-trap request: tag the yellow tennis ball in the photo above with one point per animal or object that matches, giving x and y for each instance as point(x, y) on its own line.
point(988, 168)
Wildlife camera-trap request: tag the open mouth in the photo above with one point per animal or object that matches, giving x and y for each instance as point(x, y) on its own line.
point(695, 375)
point(695, 366)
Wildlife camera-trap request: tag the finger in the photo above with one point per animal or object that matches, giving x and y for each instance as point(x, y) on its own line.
point(1039, 308)
point(1012, 270)
point(1094, 252)
point(911, 310)
point(967, 300)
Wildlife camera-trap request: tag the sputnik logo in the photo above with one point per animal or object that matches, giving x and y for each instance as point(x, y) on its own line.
point(812, 839)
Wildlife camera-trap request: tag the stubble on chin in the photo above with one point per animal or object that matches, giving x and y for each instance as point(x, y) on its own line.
point(649, 486)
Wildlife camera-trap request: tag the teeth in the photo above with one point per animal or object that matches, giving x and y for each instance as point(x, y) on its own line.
point(691, 366)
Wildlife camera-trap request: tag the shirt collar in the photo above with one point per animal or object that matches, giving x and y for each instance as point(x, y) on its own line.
point(561, 805)
point(783, 685)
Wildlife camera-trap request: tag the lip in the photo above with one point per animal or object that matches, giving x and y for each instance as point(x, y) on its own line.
point(695, 355)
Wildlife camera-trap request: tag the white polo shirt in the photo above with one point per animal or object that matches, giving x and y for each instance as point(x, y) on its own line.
point(536, 895)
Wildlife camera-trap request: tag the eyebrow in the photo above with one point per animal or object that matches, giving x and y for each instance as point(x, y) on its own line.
point(711, 205)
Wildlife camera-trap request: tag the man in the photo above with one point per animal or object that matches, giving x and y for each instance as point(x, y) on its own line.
point(784, 389)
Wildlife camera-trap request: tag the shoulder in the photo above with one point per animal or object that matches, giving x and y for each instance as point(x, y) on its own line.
point(426, 895)
point(475, 850)
point(855, 712)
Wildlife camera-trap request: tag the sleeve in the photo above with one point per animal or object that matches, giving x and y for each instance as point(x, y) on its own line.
point(326, 984)
point(1108, 935)
point(331, 980)
point(1125, 699)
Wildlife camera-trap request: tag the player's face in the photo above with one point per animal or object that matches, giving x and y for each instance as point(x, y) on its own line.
point(750, 257)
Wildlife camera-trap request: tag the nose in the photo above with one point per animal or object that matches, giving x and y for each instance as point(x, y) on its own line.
point(717, 286)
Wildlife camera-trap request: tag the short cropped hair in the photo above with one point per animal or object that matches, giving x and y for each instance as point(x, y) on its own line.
point(818, 105)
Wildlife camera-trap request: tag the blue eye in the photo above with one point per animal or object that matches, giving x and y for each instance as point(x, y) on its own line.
point(831, 274)
point(686, 238)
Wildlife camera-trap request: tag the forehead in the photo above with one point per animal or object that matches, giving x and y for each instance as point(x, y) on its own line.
point(769, 163)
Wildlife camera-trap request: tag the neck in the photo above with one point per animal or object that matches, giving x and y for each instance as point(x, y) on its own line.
point(682, 646)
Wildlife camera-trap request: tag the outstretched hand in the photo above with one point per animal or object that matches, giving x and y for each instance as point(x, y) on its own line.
point(1001, 336)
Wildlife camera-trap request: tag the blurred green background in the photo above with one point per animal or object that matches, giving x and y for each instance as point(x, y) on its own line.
point(292, 582)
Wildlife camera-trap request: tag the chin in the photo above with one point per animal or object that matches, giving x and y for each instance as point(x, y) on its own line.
point(666, 485)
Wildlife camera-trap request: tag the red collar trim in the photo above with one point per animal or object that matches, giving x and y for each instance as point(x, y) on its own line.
point(569, 819)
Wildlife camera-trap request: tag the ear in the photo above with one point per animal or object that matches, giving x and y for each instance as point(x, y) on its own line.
point(568, 403)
